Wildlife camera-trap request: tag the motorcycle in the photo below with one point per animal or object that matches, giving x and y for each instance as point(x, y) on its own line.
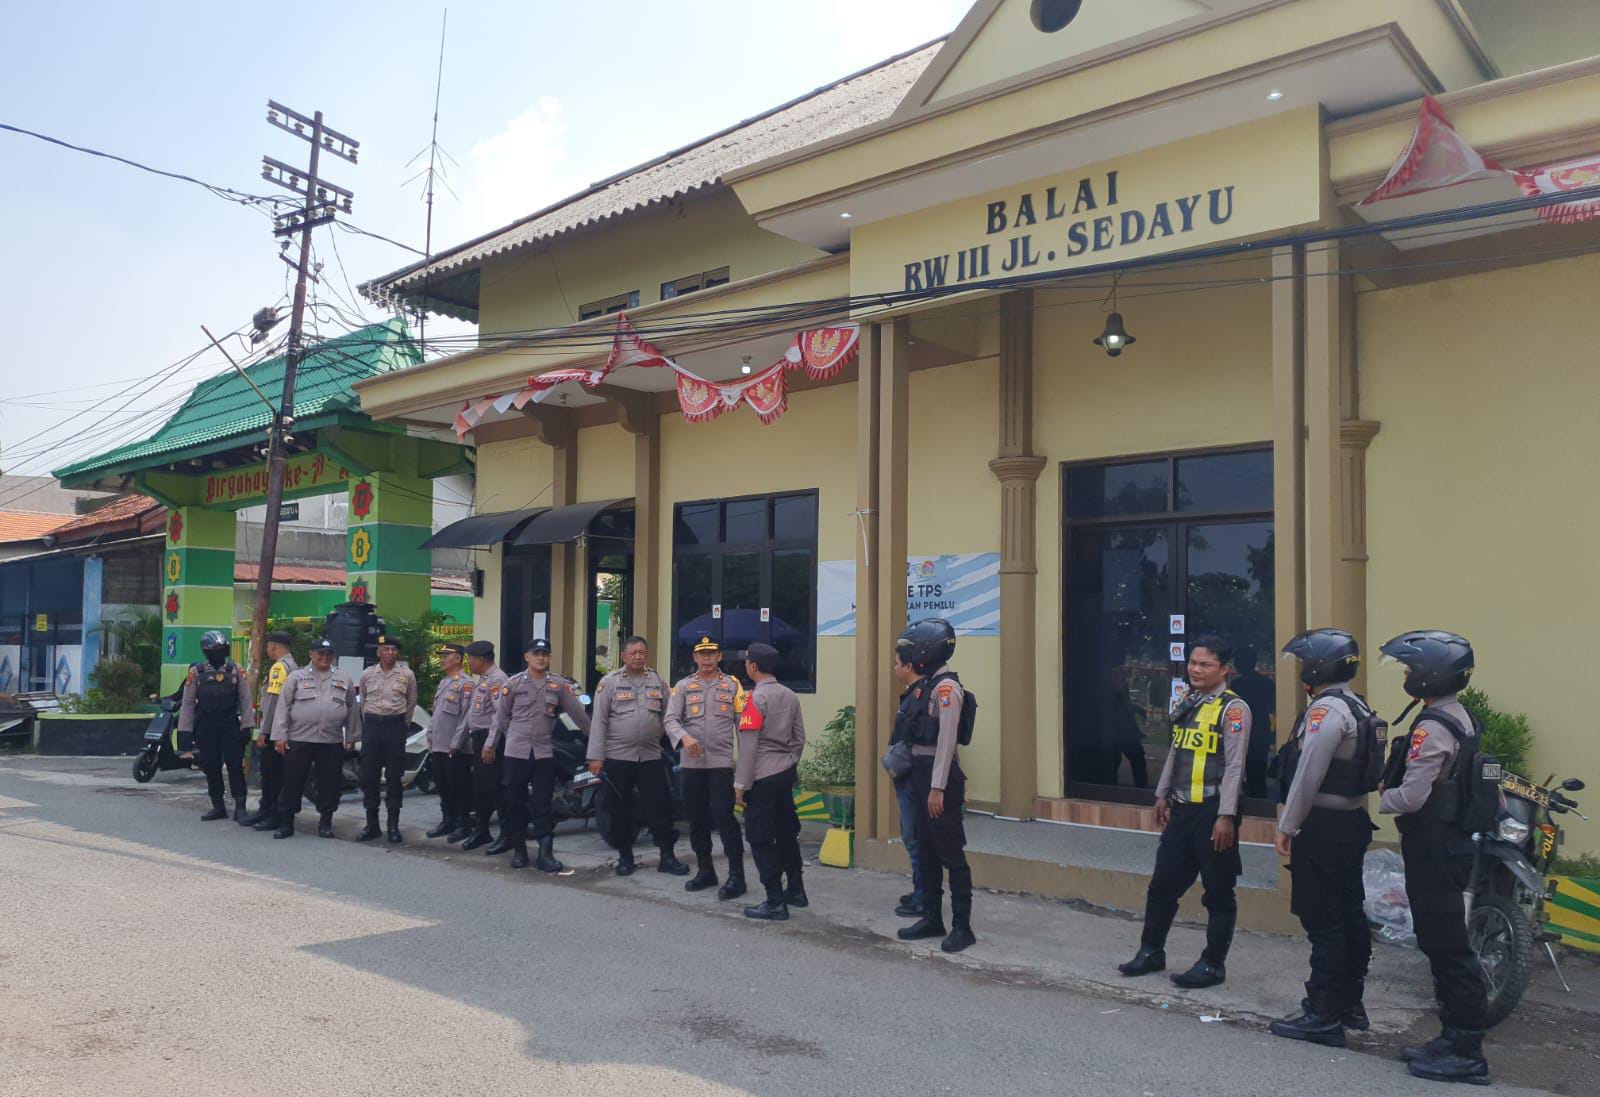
point(418, 772)
point(580, 794)
point(161, 750)
point(1506, 917)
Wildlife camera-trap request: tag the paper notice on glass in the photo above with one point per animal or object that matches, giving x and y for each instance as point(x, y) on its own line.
point(1175, 651)
point(1175, 624)
point(716, 612)
point(1179, 688)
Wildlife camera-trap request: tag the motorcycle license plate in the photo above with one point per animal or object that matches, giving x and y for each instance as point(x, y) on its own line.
point(1527, 790)
point(152, 737)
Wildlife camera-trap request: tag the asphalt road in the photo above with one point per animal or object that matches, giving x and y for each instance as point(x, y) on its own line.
point(142, 952)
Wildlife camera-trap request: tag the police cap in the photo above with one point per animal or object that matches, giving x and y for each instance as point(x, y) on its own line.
point(280, 637)
point(322, 643)
point(452, 648)
point(481, 649)
point(387, 641)
point(538, 643)
point(707, 644)
point(764, 656)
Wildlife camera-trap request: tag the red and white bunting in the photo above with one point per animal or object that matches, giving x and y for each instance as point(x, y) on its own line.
point(1582, 174)
point(702, 401)
point(823, 352)
point(1436, 156)
point(629, 348)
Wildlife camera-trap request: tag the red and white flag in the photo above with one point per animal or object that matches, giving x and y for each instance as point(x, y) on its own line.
point(1436, 156)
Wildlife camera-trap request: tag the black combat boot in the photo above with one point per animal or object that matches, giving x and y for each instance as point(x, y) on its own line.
point(466, 827)
point(705, 878)
point(218, 811)
point(546, 860)
point(1317, 1022)
point(519, 853)
point(325, 826)
point(1204, 974)
point(910, 905)
point(499, 845)
point(446, 825)
point(670, 864)
point(961, 935)
point(772, 910)
point(931, 924)
point(371, 830)
point(1145, 962)
point(285, 827)
point(241, 812)
point(395, 837)
point(480, 837)
point(734, 886)
point(1462, 1061)
point(624, 862)
point(268, 820)
point(1434, 1048)
point(1354, 1014)
point(795, 896)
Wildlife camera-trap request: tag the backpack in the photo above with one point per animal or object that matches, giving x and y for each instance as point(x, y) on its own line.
point(969, 708)
point(1475, 781)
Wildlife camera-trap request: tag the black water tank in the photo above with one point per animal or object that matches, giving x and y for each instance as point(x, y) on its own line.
point(354, 628)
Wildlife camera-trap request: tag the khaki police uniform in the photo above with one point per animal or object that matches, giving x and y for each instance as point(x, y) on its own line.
point(488, 778)
point(388, 698)
point(708, 709)
point(772, 735)
point(447, 732)
point(524, 724)
point(626, 735)
point(317, 719)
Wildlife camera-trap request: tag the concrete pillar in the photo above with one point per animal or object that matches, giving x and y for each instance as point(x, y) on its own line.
point(197, 587)
point(1324, 362)
point(1288, 465)
point(894, 362)
point(1017, 468)
point(390, 516)
point(871, 655)
point(93, 596)
point(565, 637)
point(647, 539)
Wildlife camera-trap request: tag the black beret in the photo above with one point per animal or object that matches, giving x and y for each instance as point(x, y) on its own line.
point(481, 649)
point(759, 651)
point(280, 637)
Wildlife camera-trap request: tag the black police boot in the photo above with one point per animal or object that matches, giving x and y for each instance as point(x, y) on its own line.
point(772, 910)
point(446, 825)
point(705, 878)
point(1434, 1048)
point(546, 860)
point(499, 845)
point(670, 864)
point(1145, 962)
point(1317, 1023)
point(519, 854)
point(795, 896)
point(910, 905)
point(625, 864)
point(466, 827)
point(241, 812)
point(218, 811)
point(479, 838)
point(285, 827)
point(395, 837)
point(268, 821)
point(371, 830)
point(1203, 974)
point(931, 924)
point(325, 826)
point(1462, 1061)
point(1354, 1014)
point(734, 887)
point(961, 935)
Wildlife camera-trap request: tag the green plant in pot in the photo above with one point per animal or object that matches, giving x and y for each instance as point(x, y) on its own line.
point(831, 767)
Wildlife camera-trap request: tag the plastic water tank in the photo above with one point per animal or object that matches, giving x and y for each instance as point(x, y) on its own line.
point(354, 628)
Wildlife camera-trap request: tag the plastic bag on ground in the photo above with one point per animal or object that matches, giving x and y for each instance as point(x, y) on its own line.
point(1383, 874)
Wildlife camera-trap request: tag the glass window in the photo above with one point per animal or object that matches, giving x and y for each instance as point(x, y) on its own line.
point(697, 524)
point(745, 521)
point(1225, 482)
point(794, 518)
point(1101, 491)
point(691, 603)
point(792, 629)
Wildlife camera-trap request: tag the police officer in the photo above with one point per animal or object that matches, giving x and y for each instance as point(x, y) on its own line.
point(938, 787)
point(388, 698)
point(1324, 830)
point(450, 702)
point(1197, 808)
point(217, 708)
point(1438, 853)
point(268, 761)
point(315, 724)
point(772, 736)
point(488, 771)
point(905, 795)
point(625, 748)
point(702, 722)
point(533, 701)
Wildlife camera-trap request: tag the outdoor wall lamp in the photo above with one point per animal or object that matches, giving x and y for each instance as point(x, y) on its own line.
point(1115, 337)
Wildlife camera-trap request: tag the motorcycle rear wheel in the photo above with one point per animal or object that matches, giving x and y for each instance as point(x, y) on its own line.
point(144, 766)
point(1501, 933)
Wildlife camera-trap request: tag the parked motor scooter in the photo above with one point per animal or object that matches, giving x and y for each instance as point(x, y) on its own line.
point(161, 748)
point(580, 794)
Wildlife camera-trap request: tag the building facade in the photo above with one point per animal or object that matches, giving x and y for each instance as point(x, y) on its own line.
point(1330, 412)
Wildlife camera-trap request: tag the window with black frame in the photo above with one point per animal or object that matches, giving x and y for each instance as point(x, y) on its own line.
point(745, 570)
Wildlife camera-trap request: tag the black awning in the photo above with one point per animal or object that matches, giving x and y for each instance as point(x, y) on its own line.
point(482, 530)
point(559, 525)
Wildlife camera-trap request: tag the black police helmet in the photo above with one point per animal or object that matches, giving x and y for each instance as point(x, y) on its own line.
point(927, 645)
point(1441, 662)
point(1327, 655)
point(213, 641)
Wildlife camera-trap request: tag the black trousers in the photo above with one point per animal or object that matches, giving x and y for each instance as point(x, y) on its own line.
point(1438, 859)
point(773, 827)
point(439, 764)
point(1185, 853)
point(525, 777)
point(655, 802)
point(942, 842)
point(1327, 897)
point(221, 743)
point(488, 784)
point(708, 798)
point(457, 771)
point(269, 763)
point(383, 755)
point(328, 758)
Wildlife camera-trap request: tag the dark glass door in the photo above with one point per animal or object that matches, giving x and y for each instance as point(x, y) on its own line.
point(609, 617)
point(524, 601)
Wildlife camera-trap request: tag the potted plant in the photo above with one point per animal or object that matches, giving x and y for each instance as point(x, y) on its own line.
point(831, 767)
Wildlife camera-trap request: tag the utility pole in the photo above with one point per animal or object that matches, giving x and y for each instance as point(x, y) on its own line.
point(322, 201)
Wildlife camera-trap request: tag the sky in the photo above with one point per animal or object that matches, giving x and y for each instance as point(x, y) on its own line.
point(110, 272)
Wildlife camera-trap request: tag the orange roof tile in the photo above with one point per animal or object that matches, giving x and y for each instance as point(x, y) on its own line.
point(28, 525)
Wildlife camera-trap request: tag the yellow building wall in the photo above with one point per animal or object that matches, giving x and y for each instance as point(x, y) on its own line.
point(511, 475)
point(1480, 483)
point(535, 289)
point(1200, 375)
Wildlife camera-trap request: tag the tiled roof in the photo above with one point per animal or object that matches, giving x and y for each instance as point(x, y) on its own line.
point(124, 510)
point(246, 572)
point(28, 525)
point(855, 101)
point(223, 408)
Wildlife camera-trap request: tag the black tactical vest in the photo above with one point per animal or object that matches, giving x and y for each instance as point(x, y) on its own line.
point(216, 692)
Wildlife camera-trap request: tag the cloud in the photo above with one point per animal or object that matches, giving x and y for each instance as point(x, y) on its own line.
point(520, 169)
